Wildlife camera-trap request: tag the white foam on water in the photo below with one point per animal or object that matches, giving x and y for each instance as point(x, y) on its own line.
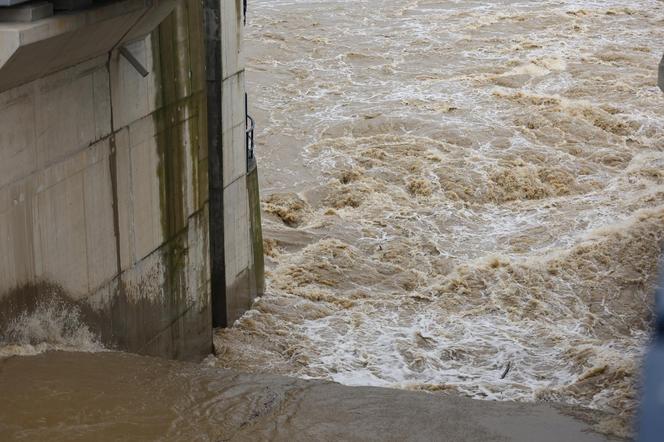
point(480, 185)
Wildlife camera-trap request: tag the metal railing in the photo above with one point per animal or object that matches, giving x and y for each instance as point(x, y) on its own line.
point(250, 142)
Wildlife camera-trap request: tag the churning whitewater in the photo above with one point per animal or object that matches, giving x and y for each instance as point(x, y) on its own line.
point(459, 196)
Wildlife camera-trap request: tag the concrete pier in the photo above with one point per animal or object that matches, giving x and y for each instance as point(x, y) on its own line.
point(104, 189)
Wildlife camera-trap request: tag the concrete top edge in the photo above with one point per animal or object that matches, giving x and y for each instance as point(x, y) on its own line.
point(64, 22)
point(31, 50)
point(12, 2)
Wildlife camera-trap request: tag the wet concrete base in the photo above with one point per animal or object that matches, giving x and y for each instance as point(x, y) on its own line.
point(117, 396)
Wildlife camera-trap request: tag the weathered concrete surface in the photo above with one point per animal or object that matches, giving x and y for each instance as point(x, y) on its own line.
point(106, 203)
point(11, 2)
point(257, 277)
point(33, 11)
point(103, 187)
point(29, 51)
point(111, 396)
point(104, 173)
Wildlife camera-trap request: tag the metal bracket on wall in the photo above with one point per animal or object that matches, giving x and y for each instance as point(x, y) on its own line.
point(133, 61)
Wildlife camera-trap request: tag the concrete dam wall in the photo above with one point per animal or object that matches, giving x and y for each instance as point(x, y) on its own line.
point(124, 181)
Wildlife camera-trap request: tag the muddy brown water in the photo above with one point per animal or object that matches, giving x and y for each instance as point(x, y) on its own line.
point(459, 197)
point(111, 396)
point(452, 188)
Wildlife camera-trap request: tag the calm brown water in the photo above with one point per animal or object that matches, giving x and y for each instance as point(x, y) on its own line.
point(111, 396)
point(452, 188)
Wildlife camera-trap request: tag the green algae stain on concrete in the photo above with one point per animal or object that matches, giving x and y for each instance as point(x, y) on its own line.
point(181, 133)
point(179, 115)
point(178, 129)
point(170, 134)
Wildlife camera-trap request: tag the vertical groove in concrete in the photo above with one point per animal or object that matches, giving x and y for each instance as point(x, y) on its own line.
point(112, 161)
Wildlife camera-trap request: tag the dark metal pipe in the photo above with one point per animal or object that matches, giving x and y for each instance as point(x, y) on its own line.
point(212, 18)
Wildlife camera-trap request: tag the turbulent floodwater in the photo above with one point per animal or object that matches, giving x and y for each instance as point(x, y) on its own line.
point(459, 196)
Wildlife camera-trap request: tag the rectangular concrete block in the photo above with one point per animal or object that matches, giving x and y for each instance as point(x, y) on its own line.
point(236, 229)
point(95, 39)
point(146, 280)
point(18, 154)
point(12, 2)
point(237, 248)
point(160, 290)
point(239, 296)
point(19, 65)
point(176, 69)
point(67, 167)
point(152, 62)
point(8, 271)
point(231, 37)
point(198, 258)
point(178, 155)
point(122, 163)
point(147, 23)
point(65, 112)
point(235, 153)
point(144, 306)
point(232, 101)
point(33, 50)
point(178, 174)
point(132, 93)
point(16, 237)
point(99, 221)
point(233, 128)
point(182, 59)
point(147, 219)
point(102, 102)
point(26, 13)
point(187, 337)
point(196, 45)
point(59, 231)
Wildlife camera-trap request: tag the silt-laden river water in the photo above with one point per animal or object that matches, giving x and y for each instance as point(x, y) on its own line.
point(459, 196)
